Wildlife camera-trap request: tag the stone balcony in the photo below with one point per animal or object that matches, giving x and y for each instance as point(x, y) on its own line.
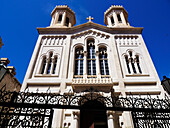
point(92, 81)
point(101, 84)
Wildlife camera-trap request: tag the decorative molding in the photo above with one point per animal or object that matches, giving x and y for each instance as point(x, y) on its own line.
point(92, 81)
point(53, 40)
point(90, 33)
point(127, 40)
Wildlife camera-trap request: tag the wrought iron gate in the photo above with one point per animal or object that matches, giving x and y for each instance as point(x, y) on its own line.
point(25, 117)
point(14, 113)
point(151, 119)
point(35, 110)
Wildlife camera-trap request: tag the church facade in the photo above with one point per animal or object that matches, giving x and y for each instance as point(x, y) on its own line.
point(70, 58)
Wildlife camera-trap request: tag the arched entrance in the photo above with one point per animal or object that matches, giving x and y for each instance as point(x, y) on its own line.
point(91, 118)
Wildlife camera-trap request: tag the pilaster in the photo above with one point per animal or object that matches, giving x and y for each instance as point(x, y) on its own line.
point(123, 18)
point(97, 64)
point(115, 18)
point(76, 116)
point(63, 19)
point(110, 119)
point(85, 65)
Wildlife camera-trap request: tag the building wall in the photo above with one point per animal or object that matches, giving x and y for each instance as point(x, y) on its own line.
point(10, 82)
point(62, 44)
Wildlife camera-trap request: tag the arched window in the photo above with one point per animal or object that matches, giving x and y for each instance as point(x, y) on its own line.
point(104, 69)
point(112, 20)
point(79, 55)
point(67, 21)
point(138, 64)
point(59, 18)
point(131, 59)
point(43, 65)
point(91, 59)
point(127, 63)
point(55, 65)
point(132, 63)
point(49, 64)
point(119, 18)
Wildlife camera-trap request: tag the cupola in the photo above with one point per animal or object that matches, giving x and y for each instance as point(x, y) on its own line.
point(116, 16)
point(62, 16)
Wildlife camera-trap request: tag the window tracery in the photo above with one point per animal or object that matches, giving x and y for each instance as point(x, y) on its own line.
point(43, 65)
point(60, 18)
point(91, 61)
point(91, 58)
point(104, 69)
point(55, 65)
point(49, 64)
point(132, 63)
point(119, 18)
point(67, 22)
point(79, 58)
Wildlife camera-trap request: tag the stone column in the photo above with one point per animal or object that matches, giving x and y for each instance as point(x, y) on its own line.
point(63, 19)
point(70, 25)
point(57, 66)
point(85, 65)
point(97, 64)
point(110, 119)
point(57, 118)
point(56, 18)
point(40, 65)
point(115, 18)
point(46, 66)
point(136, 66)
point(52, 21)
point(123, 18)
point(109, 21)
point(52, 65)
point(130, 66)
point(76, 115)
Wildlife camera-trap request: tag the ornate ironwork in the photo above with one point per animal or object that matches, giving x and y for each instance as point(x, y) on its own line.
point(72, 101)
point(151, 120)
point(25, 109)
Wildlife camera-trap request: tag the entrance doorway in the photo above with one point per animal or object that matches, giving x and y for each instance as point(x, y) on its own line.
point(91, 118)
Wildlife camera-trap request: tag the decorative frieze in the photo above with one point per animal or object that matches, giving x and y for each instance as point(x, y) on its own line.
point(127, 40)
point(53, 40)
point(92, 81)
point(90, 33)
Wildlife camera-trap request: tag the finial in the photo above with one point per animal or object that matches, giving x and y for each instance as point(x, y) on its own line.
point(89, 18)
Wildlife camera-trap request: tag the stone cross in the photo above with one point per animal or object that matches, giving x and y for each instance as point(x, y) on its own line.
point(89, 18)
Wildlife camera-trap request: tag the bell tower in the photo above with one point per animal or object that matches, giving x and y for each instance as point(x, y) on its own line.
point(62, 16)
point(116, 16)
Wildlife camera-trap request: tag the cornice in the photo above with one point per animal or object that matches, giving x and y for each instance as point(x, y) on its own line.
point(88, 25)
point(113, 8)
point(64, 7)
point(61, 7)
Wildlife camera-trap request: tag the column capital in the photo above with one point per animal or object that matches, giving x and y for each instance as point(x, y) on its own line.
point(110, 114)
point(85, 53)
point(97, 53)
point(76, 114)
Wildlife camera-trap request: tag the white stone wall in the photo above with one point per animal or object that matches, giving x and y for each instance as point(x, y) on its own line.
point(123, 83)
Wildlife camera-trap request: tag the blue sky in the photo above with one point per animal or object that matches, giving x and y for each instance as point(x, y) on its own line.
point(20, 18)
